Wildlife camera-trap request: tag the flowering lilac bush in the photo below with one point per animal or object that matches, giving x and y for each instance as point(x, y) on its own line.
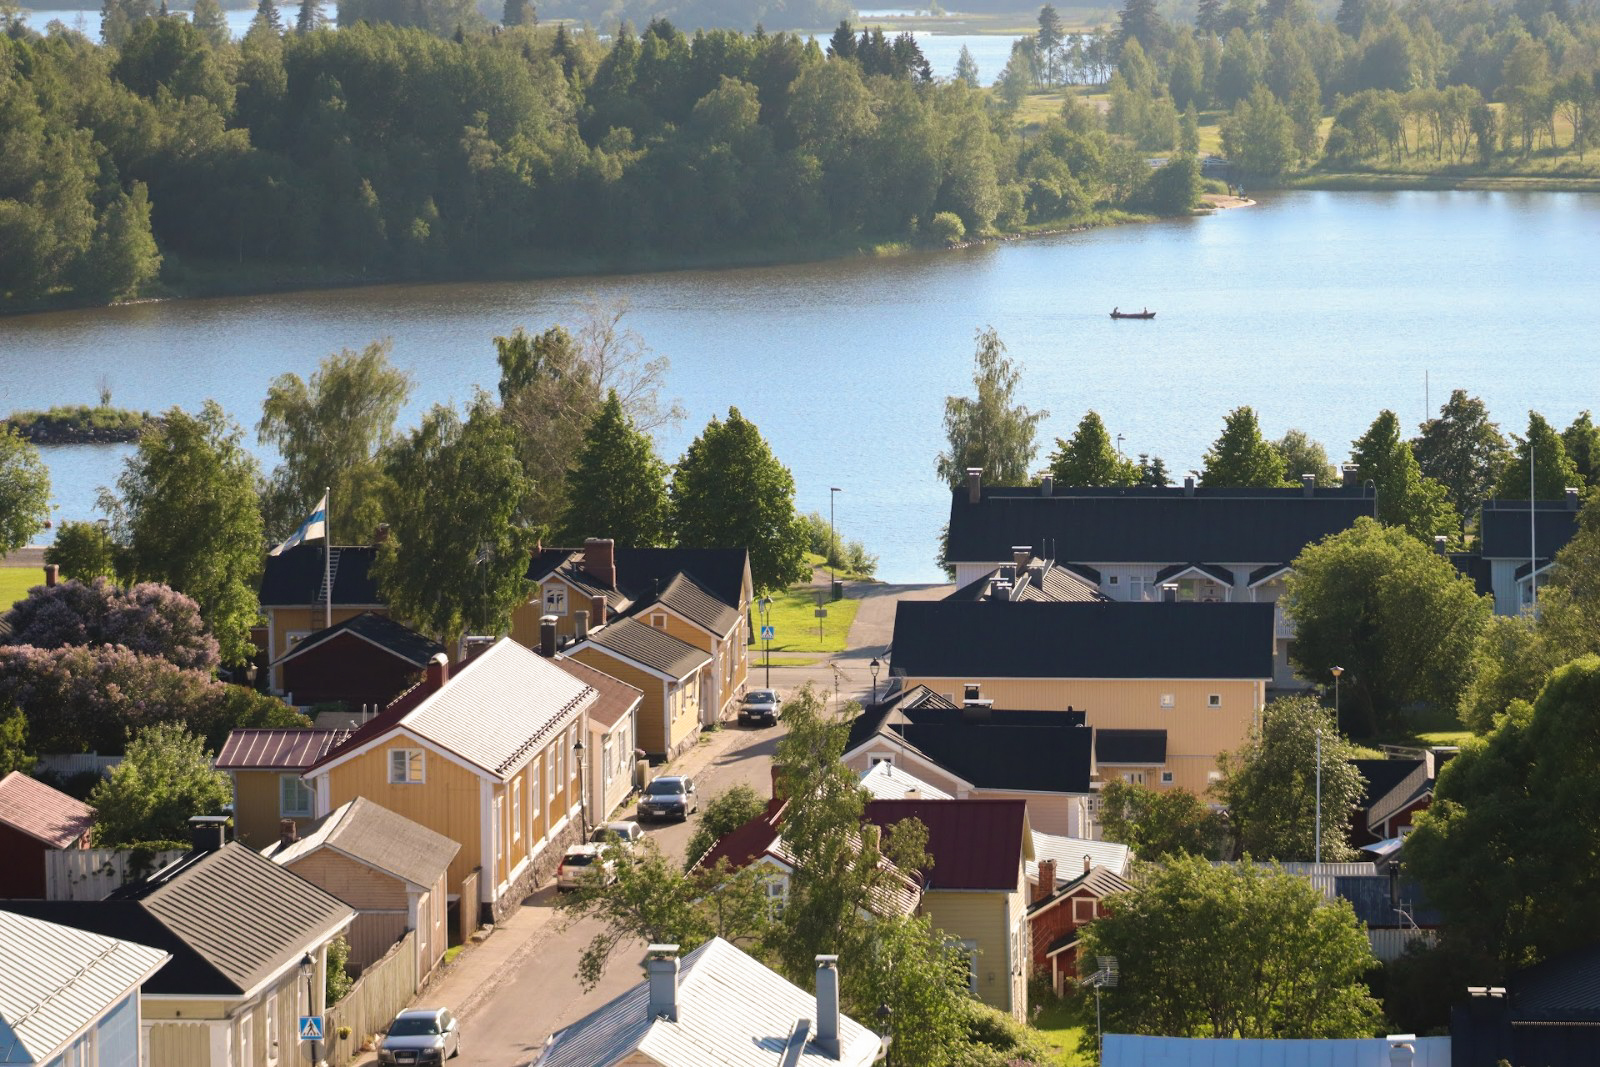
point(148, 619)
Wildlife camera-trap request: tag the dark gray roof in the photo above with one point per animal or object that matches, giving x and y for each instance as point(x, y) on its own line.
point(1374, 896)
point(369, 832)
point(1043, 758)
point(1261, 574)
point(294, 579)
point(1149, 525)
point(633, 640)
point(694, 602)
point(643, 571)
point(1503, 528)
point(1211, 570)
point(230, 918)
point(1383, 775)
point(1120, 747)
point(1563, 989)
point(976, 640)
point(400, 641)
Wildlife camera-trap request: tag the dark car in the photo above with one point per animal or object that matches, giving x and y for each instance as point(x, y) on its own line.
point(425, 1035)
point(760, 707)
point(671, 796)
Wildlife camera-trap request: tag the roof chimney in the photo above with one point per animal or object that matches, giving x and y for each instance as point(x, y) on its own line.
point(1402, 1053)
point(1188, 485)
point(52, 574)
point(547, 636)
point(970, 691)
point(600, 560)
point(974, 484)
point(1088, 863)
point(1047, 881)
point(1308, 484)
point(661, 969)
point(1350, 475)
point(1441, 544)
point(580, 625)
point(381, 534)
point(438, 671)
point(1047, 486)
point(1572, 498)
point(828, 1005)
point(1021, 555)
point(597, 610)
point(208, 833)
point(288, 833)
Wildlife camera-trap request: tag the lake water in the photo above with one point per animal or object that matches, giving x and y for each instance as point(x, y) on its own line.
point(1319, 309)
point(88, 22)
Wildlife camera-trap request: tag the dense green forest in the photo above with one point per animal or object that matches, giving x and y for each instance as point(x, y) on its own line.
point(380, 151)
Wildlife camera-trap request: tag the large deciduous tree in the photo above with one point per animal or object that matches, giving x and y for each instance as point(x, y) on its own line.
point(83, 550)
point(1302, 454)
point(455, 558)
point(1158, 824)
point(1582, 441)
point(989, 431)
point(189, 518)
point(1553, 471)
point(1461, 450)
point(1089, 459)
point(618, 488)
point(1233, 951)
point(1397, 616)
point(1270, 785)
point(730, 491)
point(331, 432)
point(149, 619)
point(24, 491)
point(165, 779)
point(1241, 457)
point(1405, 498)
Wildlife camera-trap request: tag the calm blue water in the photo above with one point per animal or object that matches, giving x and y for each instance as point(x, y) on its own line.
point(1318, 309)
point(88, 22)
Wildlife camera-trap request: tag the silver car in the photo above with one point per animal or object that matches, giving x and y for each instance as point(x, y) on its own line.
point(422, 1035)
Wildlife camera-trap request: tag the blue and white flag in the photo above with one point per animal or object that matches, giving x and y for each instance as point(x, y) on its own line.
point(314, 527)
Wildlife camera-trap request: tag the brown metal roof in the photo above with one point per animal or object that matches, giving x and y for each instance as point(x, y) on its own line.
point(378, 837)
point(289, 750)
point(643, 644)
point(39, 811)
point(617, 698)
point(695, 602)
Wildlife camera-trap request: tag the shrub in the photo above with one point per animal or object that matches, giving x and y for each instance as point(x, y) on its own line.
point(165, 780)
point(947, 227)
point(148, 619)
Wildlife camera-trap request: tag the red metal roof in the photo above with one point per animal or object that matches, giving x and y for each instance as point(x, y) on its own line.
point(276, 749)
point(748, 841)
point(36, 809)
point(617, 697)
point(975, 844)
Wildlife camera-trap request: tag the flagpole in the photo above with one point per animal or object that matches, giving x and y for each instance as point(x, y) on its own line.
point(327, 556)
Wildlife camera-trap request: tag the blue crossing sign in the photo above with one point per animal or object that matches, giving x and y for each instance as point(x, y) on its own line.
point(767, 633)
point(310, 1028)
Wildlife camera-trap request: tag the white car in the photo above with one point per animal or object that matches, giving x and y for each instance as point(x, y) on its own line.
point(627, 831)
point(578, 865)
point(419, 1036)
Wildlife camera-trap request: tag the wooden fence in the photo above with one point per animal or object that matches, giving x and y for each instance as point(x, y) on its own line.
point(71, 763)
point(382, 991)
point(94, 873)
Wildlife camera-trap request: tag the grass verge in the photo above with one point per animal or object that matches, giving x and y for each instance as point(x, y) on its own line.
point(792, 617)
point(786, 661)
point(15, 583)
point(1060, 1023)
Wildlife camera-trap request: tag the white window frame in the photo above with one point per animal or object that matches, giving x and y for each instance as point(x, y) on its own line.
point(1166, 777)
point(303, 790)
point(873, 761)
point(1213, 777)
point(1169, 701)
point(659, 620)
point(516, 809)
point(605, 751)
point(247, 1023)
point(533, 788)
point(1133, 777)
point(1138, 587)
point(1214, 700)
point(271, 1016)
point(554, 599)
point(777, 888)
point(416, 759)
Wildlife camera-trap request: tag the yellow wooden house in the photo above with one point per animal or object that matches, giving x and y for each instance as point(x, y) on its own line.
point(674, 676)
point(265, 767)
point(484, 757)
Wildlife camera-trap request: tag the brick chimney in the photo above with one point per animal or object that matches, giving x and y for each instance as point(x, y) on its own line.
point(288, 833)
point(974, 484)
point(597, 611)
point(1088, 863)
point(1047, 881)
point(600, 560)
point(438, 671)
point(52, 574)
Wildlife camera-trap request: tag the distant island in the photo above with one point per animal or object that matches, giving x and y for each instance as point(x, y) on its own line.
point(80, 424)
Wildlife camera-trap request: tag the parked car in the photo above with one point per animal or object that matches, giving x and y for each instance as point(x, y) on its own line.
point(577, 864)
point(671, 796)
point(421, 1035)
point(760, 707)
point(627, 831)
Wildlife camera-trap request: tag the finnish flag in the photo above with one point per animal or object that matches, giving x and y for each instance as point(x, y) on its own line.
point(314, 527)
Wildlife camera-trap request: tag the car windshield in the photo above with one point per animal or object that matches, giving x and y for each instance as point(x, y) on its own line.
point(414, 1027)
point(582, 859)
point(760, 696)
point(665, 787)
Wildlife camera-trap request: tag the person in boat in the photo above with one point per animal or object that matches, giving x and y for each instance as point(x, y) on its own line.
point(1113, 311)
point(1146, 311)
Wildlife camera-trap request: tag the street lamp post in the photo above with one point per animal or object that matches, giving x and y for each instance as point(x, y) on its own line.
point(833, 538)
point(874, 667)
point(308, 970)
point(765, 604)
point(1336, 671)
point(583, 795)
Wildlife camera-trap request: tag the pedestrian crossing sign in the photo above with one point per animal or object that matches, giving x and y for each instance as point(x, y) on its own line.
point(767, 633)
point(310, 1028)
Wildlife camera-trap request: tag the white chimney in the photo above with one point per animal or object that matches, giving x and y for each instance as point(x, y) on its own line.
point(828, 1005)
point(661, 968)
point(1402, 1051)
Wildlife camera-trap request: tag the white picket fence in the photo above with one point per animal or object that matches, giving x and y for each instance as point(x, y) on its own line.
point(94, 873)
point(70, 763)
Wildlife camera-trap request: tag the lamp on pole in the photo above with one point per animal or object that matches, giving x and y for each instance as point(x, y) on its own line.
point(1533, 555)
point(874, 667)
point(308, 970)
point(1336, 671)
point(765, 603)
point(833, 538)
point(583, 795)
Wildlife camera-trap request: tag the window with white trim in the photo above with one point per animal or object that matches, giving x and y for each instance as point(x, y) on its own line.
point(969, 954)
point(1214, 700)
point(873, 761)
point(777, 887)
point(658, 621)
point(1166, 777)
point(533, 787)
point(272, 1029)
point(294, 796)
point(1213, 777)
point(555, 599)
point(516, 810)
point(1169, 700)
point(605, 757)
point(247, 1023)
point(407, 766)
point(1133, 777)
point(1138, 587)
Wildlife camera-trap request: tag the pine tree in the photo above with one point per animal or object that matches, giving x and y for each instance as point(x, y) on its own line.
point(1138, 20)
point(1049, 40)
point(619, 487)
point(1241, 458)
point(967, 69)
point(1405, 497)
point(842, 45)
point(1208, 14)
point(1153, 471)
point(310, 17)
point(267, 13)
point(1582, 440)
point(1089, 459)
point(211, 22)
point(520, 13)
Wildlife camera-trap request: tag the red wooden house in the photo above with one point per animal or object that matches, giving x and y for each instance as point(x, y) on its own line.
point(1055, 919)
point(35, 819)
point(366, 660)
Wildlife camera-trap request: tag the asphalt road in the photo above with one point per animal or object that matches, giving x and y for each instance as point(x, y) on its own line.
point(506, 1022)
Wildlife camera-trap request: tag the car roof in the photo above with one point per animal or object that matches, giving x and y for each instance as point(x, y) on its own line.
point(618, 823)
point(670, 778)
point(421, 1013)
point(753, 692)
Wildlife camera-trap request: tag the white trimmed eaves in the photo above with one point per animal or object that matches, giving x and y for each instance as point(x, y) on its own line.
point(653, 672)
point(402, 729)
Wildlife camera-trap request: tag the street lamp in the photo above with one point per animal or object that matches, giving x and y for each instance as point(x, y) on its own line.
point(1335, 671)
point(765, 603)
point(886, 1031)
point(308, 970)
point(874, 666)
point(583, 796)
point(833, 538)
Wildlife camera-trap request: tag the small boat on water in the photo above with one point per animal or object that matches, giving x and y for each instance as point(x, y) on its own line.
point(1118, 314)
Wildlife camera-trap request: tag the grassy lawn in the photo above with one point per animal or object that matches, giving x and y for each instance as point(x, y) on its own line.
point(1058, 1021)
point(785, 661)
point(796, 627)
point(15, 583)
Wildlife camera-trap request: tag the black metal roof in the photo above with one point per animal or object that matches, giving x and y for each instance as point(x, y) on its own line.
point(977, 640)
point(1042, 758)
point(1123, 747)
point(1375, 898)
point(1563, 989)
point(1382, 775)
point(1149, 525)
point(401, 641)
point(644, 573)
point(294, 579)
point(1503, 528)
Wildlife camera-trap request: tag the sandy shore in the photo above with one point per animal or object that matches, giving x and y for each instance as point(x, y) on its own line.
point(1222, 202)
